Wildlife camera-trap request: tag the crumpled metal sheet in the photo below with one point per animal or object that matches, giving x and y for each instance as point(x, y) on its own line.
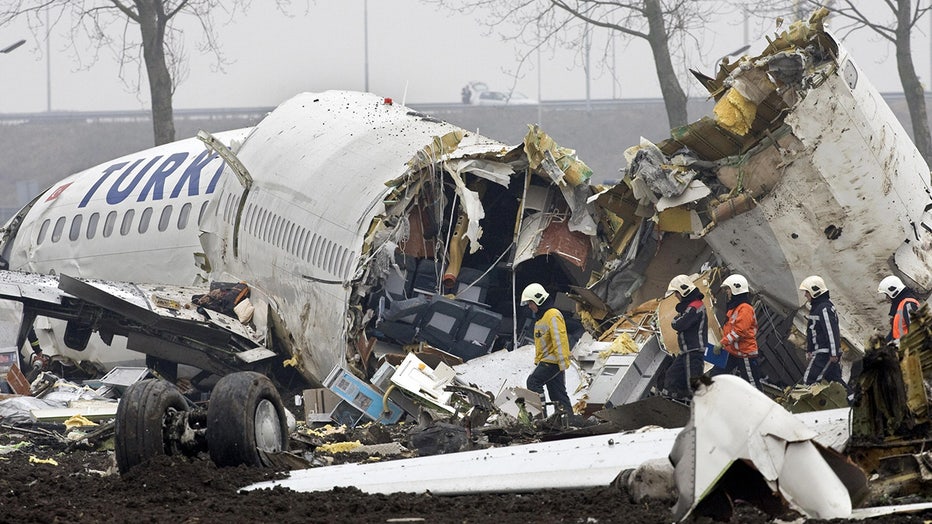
point(732, 421)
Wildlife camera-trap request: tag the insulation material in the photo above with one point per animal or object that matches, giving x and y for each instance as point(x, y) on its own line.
point(737, 110)
point(735, 113)
point(675, 220)
point(537, 143)
point(497, 172)
point(472, 206)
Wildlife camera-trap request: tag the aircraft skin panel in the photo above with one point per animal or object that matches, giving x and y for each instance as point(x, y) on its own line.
point(581, 462)
point(830, 201)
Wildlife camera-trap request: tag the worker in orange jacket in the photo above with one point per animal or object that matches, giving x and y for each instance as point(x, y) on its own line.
point(739, 334)
point(903, 303)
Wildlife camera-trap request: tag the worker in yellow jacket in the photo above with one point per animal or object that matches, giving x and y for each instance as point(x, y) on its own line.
point(552, 355)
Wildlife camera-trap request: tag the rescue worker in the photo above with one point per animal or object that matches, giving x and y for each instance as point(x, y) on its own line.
point(903, 303)
point(552, 355)
point(691, 325)
point(739, 334)
point(823, 342)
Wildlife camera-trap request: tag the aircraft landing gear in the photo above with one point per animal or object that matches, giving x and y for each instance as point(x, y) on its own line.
point(244, 419)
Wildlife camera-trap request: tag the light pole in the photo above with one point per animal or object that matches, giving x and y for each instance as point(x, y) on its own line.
point(365, 29)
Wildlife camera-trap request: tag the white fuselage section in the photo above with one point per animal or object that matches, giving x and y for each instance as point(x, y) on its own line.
point(132, 219)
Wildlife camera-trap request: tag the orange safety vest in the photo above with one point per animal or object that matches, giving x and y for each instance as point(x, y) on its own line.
point(899, 323)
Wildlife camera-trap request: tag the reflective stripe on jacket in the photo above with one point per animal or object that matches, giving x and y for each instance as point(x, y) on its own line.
point(550, 340)
point(691, 326)
point(822, 331)
point(901, 318)
point(739, 334)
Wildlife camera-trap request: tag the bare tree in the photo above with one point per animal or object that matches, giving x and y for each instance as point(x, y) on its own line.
point(665, 24)
point(897, 28)
point(159, 46)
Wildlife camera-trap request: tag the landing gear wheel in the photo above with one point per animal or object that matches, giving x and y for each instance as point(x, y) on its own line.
point(143, 422)
point(245, 415)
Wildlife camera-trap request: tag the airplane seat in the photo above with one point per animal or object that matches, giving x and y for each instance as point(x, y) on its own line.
point(472, 286)
point(441, 322)
point(400, 320)
point(425, 279)
point(400, 280)
point(477, 334)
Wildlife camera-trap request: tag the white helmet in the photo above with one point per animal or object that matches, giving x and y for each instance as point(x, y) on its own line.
point(891, 286)
point(737, 284)
point(681, 283)
point(534, 293)
point(814, 285)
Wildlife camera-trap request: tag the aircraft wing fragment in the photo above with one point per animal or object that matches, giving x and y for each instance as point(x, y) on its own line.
point(157, 320)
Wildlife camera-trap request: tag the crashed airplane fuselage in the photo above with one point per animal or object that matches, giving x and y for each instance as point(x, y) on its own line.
point(803, 170)
point(351, 219)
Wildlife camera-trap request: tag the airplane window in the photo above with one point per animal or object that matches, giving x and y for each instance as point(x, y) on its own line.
point(109, 223)
point(279, 230)
point(290, 241)
point(200, 215)
point(226, 208)
point(326, 257)
point(263, 217)
point(273, 225)
point(59, 227)
point(144, 220)
point(92, 225)
point(248, 222)
point(309, 248)
point(318, 250)
point(283, 238)
point(302, 241)
point(231, 209)
point(127, 223)
point(42, 231)
point(341, 267)
point(266, 225)
point(331, 266)
point(75, 231)
point(165, 218)
point(183, 215)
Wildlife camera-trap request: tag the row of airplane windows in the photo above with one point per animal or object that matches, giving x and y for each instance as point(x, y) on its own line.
point(109, 225)
point(311, 247)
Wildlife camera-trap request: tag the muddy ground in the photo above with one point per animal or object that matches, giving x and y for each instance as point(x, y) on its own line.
point(83, 486)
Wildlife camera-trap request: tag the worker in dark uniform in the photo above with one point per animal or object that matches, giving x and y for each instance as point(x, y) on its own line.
point(691, 325)
point(823, 342)
point(552, 355)
point(903, 303)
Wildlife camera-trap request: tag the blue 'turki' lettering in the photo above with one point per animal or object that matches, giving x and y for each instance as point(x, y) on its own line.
point(192, 174)
point(155, 185)
point(93, 189)
point(117, 195)
point(214, 180)
point(157, 180)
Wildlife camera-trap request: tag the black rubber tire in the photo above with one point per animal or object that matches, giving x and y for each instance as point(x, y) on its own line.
point(231, 419)
point(140, 427)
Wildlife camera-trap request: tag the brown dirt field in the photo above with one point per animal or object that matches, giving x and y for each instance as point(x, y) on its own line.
point(84, 487)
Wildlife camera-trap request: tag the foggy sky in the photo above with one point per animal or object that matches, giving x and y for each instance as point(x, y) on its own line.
point(416, 53)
